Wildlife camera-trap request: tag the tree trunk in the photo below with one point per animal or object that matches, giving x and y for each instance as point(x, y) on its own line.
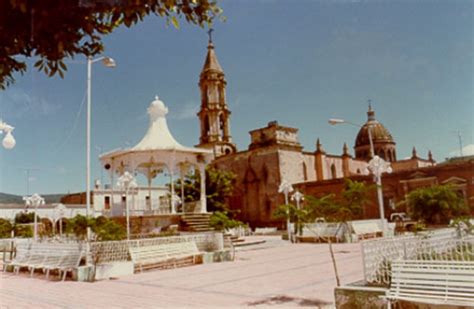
point(333, 262)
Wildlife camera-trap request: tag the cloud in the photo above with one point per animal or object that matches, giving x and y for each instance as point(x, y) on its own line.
point(467, 150)
point(188, 111)
point(17, 102)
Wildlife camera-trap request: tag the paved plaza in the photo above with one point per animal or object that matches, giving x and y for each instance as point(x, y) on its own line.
point(275, 273)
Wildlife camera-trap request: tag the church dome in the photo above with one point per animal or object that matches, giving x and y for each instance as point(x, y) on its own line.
point(384, 144)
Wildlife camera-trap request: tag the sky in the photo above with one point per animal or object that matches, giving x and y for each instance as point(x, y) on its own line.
point(299, 64)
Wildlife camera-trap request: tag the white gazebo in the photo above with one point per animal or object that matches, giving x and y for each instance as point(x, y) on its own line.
point(159, 152)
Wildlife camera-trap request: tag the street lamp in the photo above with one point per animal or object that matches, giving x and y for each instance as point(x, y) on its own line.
point(286, 188)
point(35, 200)
point(335, 121)
point(378, 166)
point(110, 63)
point(8, 141)
point(297, 197)
point(125, 182)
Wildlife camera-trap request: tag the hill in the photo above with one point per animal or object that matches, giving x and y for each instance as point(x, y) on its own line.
point(6, 198)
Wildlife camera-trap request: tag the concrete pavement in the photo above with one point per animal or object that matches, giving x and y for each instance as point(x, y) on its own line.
point(275, 273)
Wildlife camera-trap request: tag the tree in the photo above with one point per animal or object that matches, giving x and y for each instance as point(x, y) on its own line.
point(219, 186)
point(53, 30)
point(25, 217)
point(348, 206)
point(436, 204)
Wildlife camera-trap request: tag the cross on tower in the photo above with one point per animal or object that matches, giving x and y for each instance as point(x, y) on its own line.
point(209, 32)
point(370, 103)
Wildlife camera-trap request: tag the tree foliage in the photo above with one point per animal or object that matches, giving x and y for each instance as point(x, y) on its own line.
point(103, 228)
point(349, 206)
point(220, 221)
point(436, 204)
point(219, 186)
point(25, 217)
point(52, 30)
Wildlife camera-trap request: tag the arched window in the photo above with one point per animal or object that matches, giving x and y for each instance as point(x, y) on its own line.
point(333, 171)
point(305, 171)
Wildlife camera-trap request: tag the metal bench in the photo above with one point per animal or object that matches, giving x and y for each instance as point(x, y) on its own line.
point(365, 229)
point(48, 256)
point(265, 230)
point(432, 282)
point(163, 255)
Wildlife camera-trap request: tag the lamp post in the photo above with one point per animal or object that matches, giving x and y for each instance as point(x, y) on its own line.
point(125, 182)
point(110, 63)
point(35, 200)
point(286, 188)
point(378, 166)
point(175, 201)
point(297, 197)
point(8, 141)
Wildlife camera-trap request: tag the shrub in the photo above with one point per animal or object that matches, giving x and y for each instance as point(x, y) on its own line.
point(23, 230)
point(107, 230)
point(220, 221)
point(5, 228)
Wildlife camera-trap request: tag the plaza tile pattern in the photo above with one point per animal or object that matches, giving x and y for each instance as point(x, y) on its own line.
point(275, 273)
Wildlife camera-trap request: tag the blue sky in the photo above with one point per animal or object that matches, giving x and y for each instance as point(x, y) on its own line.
point(300, 64)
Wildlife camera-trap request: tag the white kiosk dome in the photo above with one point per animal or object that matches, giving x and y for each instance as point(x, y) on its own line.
point(158, 135)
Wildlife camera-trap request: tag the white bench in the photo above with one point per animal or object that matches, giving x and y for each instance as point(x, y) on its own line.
point(432, 282)
point(365, 229)
point(48, 256)
point(265, 230)
point(163, 255)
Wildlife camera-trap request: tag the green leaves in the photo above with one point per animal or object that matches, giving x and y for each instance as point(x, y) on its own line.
point(436, 204)
point(219, 186)
point(63, 29)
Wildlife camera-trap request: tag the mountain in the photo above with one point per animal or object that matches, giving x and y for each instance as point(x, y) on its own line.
point(6, 198)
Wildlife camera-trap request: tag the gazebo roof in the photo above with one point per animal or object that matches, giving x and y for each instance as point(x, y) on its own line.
point(158, 138)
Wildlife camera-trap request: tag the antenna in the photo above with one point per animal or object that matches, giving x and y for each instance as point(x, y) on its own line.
point(27, 173)
point(460, 143)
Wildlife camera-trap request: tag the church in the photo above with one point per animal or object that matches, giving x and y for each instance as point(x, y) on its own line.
point(275, 155)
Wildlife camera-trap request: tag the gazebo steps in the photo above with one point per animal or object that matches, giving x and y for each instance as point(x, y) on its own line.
point(196, 222)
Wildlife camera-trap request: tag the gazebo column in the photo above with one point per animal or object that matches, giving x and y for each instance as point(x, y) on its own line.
point(202, 174)
point(181, 176)
point(112, 172)
point(173, 205)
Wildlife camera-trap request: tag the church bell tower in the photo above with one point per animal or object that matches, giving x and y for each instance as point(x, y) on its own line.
point(214, 114)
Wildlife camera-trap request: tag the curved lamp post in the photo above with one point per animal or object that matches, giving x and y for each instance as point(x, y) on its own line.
point(8, 141)
point(286, 188)
point(297, 197)
point(35, 200)
point(125, 182)
point(335, 121)
point(377, 166)
point(110, 63)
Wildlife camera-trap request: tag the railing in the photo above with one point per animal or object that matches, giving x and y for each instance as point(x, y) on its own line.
point(116, 251)
point(443, 244)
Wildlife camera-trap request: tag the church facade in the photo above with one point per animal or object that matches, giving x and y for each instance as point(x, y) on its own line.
point(275, 155)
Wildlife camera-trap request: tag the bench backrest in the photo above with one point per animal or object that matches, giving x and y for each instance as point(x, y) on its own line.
point(365, 228)
point(448, 282)
point(163, 251)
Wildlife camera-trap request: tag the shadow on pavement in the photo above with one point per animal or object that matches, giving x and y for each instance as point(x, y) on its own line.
point(283, 299)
